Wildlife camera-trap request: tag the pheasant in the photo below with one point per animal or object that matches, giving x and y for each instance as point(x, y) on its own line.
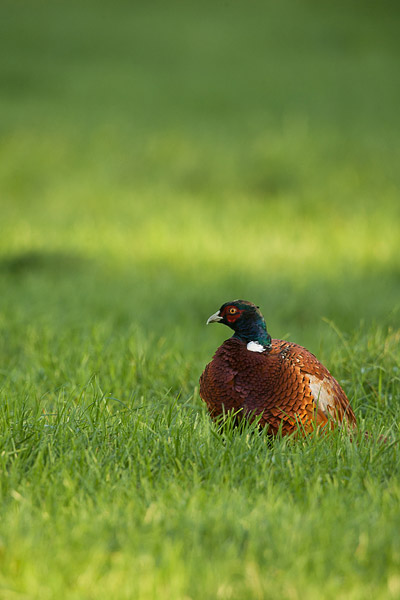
point(280, 383)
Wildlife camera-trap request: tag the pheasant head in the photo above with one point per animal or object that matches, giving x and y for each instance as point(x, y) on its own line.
point(247, 323)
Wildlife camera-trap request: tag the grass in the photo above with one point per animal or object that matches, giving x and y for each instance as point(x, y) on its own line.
point(156, 161)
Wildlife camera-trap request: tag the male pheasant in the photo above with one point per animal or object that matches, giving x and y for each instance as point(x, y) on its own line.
point(278, 382)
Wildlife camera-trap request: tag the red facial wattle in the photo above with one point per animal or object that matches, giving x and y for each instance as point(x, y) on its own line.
point(232, 317)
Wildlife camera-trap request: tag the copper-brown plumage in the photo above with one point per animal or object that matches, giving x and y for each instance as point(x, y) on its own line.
point(281, 383)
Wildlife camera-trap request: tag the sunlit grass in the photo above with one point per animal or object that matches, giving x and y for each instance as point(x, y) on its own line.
point(133, 496)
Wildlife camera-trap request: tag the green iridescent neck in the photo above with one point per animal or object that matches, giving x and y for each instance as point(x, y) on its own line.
point(254, 330)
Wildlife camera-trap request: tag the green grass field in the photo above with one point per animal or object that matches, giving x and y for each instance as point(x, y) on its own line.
point(156, 160)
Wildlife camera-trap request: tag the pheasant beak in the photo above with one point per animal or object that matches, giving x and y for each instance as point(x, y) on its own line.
point(214, 318)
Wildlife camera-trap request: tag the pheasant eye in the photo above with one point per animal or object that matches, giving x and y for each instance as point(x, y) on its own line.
point(233, 310)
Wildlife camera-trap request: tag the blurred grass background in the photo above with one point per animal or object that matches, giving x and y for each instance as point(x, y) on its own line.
point(200, 154)
point(158, 159)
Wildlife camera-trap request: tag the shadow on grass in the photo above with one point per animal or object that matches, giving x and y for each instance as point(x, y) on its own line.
point(164, 301)
point(34, 261)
